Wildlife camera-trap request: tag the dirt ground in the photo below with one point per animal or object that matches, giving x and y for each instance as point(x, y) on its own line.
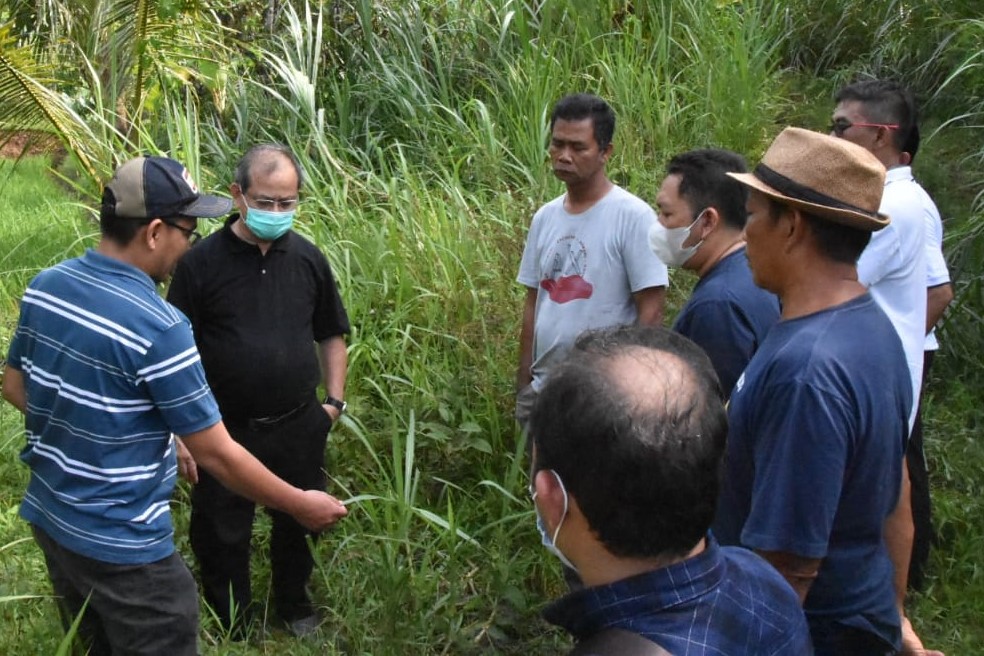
point(13, 145)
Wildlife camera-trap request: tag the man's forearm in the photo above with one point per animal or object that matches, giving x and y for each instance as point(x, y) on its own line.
point(799, 571)
point(238, 470)
point(937, 300)
point(13, 388)
point(650, 303)
point(524, 371)
point(334, 365)
point(899, 532)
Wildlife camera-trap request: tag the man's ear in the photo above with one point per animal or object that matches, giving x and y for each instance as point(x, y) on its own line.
point(549, 498)
point(884, 138)
point(796, 228)
point(237, 198)
point(153, 233)
point(712, 219)
point(607, 151)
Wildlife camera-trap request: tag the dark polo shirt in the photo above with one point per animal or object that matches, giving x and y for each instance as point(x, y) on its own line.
point(256, 318)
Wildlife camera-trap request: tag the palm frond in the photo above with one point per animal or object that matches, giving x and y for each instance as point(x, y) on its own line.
point(27, 101)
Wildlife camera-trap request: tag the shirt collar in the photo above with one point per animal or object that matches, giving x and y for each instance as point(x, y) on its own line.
point(898, 174)
point(97, 260)
point(280, 244)
point(589, 610)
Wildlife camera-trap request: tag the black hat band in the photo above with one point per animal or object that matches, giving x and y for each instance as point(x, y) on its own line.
point(793, 189)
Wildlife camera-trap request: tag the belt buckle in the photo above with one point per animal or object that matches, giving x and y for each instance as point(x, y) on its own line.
point(264, 423)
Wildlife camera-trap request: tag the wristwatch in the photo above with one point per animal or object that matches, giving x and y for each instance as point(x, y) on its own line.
point(341, 405)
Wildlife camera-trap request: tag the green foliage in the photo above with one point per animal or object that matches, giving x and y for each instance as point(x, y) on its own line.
point(421, 127)
point(98, 77)
point(950, 606)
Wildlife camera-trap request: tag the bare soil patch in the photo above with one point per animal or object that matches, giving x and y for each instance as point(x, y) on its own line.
point(29, 142)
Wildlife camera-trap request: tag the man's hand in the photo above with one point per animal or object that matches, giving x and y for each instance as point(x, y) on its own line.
point(333, 412)
point(911, 644)
point(187, 468)
point(318, 510)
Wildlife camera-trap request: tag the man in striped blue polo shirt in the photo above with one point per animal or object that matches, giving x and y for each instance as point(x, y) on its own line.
point(105, 371)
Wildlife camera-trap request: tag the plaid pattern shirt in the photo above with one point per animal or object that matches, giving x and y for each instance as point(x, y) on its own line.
point(724, 601)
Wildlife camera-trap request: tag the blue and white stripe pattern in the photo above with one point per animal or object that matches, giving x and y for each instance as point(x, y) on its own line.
point(111, 371)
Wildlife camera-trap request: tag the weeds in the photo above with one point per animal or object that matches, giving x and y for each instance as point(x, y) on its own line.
point(421, 128)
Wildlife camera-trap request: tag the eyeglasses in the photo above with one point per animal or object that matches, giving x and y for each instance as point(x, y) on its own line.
point(273, 204)
point(842, 125)
point(192, 235)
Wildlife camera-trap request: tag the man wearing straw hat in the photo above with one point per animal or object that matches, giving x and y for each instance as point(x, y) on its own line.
point(819, 419)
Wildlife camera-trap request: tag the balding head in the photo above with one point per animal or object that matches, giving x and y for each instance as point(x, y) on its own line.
point(264, 160)
point(633, 422)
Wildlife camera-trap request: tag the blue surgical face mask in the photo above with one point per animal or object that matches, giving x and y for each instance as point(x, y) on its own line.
point(267, 225)
point(550, 541)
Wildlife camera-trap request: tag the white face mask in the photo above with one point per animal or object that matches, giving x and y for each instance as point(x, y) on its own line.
point(667, 243)
point(550, 541)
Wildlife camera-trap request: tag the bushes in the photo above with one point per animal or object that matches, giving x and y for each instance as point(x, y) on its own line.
point(422, 127)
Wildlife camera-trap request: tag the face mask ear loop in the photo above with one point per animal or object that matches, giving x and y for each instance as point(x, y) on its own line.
point(564, 516)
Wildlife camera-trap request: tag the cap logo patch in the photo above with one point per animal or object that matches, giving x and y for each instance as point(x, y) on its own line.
point(187, 178)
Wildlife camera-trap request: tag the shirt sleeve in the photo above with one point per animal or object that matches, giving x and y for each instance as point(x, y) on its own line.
point(644, 268)
point(721, 329)
point(800, 457)
point(15, 352)
point(936, 269)
point(330, 318)
point(182, 292)
point(880, 256)
point(529, 269)
point(175, 380)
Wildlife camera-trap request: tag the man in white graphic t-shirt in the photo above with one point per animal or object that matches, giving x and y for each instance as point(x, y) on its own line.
point(587, 261)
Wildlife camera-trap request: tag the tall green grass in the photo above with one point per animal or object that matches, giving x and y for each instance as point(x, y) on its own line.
point(422, 127)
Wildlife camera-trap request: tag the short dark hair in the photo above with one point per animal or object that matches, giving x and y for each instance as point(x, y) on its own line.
point(118, 229)
point(836, 241)
point(885, 101)
point(244, 169)
point(643, 462)
point(704, 182)
point(579, 106)
point(911, 145)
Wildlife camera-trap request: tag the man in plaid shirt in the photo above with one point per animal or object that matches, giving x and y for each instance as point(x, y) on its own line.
point(628, 437)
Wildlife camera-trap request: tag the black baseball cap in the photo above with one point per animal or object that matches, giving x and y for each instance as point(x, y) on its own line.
point(160, 187)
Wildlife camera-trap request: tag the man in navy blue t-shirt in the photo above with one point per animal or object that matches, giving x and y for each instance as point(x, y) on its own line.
point(701, 229)
point(819, 419)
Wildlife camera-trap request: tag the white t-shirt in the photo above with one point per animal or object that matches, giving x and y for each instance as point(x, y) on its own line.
point(585, 268)
point(936, 271)
point(893, 266)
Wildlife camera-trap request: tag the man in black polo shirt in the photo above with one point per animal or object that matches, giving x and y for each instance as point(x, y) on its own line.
point(259, 296)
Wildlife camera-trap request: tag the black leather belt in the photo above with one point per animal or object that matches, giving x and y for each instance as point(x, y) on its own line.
point(266, 423)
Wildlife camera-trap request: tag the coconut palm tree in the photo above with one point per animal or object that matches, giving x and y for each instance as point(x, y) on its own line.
point(98, 73)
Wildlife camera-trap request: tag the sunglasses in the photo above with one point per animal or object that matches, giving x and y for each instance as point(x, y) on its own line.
point(842, 125)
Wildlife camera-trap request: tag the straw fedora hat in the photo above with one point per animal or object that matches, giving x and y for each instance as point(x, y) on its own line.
point(831, 178)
